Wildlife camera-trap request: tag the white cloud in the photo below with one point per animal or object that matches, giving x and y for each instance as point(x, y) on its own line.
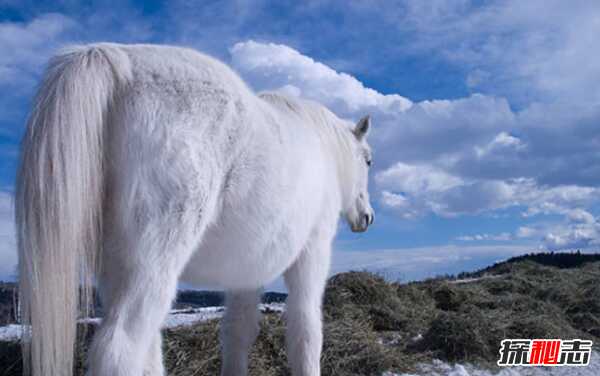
point(581, 230)
point(403, 130)
point(579, 236)
point(502, 143)
point(27, 46)
point(415, 179)
point(508, 46)
point(526, 232)
point(275, 66)
point(403, 206)
point(426, 189)
point(439, 129)
point(580, 216)
point(504, 236)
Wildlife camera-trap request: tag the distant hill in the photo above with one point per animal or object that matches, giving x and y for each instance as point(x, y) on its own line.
point(560, 260)
point(185, 299)
point(195, 299)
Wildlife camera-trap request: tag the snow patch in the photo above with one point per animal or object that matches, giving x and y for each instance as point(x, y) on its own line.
point(440, 368)
point(176, 318)
point(192, 316)
point(10, 333)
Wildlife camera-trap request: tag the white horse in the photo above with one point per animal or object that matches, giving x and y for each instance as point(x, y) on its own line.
point(143, 165)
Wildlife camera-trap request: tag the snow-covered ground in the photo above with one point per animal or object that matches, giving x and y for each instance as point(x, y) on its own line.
point(184, 317)
point(177, 317)
point(440, 368)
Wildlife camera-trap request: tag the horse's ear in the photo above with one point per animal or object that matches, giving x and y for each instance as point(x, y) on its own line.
point(362, 127)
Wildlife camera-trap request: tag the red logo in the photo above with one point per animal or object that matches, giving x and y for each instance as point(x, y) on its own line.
point(545, 352)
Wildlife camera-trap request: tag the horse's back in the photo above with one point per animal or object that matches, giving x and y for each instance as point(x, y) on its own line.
point(157, 65)
point(181, 88)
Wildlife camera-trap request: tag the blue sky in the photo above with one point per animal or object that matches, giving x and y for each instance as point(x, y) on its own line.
point(486, 114)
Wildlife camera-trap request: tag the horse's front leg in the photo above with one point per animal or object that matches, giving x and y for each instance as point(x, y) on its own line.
point(239, 329)
point(154, 360)
point(305, 281)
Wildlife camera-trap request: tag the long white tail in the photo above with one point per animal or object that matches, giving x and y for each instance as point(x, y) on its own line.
point(58, 200)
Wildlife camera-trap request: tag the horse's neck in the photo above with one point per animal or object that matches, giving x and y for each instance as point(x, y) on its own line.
point(334, 139)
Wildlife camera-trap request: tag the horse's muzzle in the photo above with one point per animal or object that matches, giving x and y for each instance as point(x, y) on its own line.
point(364, 223)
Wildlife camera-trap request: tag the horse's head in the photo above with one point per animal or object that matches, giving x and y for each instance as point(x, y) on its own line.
point(357, 208)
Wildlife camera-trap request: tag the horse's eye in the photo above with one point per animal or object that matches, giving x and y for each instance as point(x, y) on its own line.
point(369, 162)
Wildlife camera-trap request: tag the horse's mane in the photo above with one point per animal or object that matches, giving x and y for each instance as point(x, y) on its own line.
point(335, 133)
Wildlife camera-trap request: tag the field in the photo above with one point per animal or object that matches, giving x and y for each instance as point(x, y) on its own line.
point(373, 326)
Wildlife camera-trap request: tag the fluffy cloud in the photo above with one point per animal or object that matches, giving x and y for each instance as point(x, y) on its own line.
point(404, 130)
point(419, 189)
point(581, 230)
point(30, 45)
point(438, 129)
point(275, 66)
point(526, 232)
point(574, 237)
point(25, 46)
point(502, 142)
point(479, 237)
point(505, 46)
point(415, 179)
point(502, 47)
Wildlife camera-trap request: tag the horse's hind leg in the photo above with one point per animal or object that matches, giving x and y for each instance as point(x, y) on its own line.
point(140, 274)
point(239, 329)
